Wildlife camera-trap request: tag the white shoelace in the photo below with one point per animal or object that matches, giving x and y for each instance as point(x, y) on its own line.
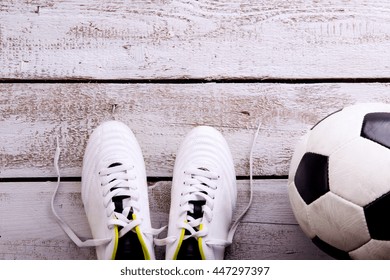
point(202, 187)
point(116, 181)
point(116, 184)
point(237, 222)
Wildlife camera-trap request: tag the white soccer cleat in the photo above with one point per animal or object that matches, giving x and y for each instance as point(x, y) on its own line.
point(203, 197)
point(115, 195)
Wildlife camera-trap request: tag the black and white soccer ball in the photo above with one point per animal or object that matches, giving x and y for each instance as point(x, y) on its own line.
point(339, 182)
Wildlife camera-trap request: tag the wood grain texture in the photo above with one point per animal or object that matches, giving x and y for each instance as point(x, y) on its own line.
point(32, 116)
point(28, 229)
point(176, 39)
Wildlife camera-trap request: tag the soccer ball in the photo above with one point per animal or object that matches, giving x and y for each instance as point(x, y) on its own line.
point(339, 182)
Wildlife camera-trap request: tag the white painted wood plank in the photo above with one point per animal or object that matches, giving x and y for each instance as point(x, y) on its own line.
point(29, 231)
point(194, 39)
point(28, 228)
point(273, 242)
point(33, 115)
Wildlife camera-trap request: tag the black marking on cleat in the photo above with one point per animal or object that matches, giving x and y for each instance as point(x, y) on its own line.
point(189, 249)
point(129, 246)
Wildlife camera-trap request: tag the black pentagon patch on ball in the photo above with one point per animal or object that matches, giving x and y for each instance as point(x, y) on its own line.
point(376, 127)
point(375, 212)
point(311, 178)
point(330, 250)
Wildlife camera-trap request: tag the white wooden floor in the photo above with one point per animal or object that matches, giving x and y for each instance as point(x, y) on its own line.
point(168, 66)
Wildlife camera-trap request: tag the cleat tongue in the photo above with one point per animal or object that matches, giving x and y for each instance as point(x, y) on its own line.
point(129, 246)
point(118, 200)
point(198, 213)
point(115, 164)
point(189, 249)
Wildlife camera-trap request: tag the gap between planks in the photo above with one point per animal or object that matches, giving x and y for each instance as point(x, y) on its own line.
point(268, 231)
point(346, 80)
point(160, 116)
point(148, 179)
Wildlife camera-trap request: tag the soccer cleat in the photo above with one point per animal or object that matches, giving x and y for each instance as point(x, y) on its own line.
point(203, 197)
point(115, 196)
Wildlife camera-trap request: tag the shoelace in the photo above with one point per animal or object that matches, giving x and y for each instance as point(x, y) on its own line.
point(202, 187)
point(237, 222)
point(204, 177)
point(115, 183)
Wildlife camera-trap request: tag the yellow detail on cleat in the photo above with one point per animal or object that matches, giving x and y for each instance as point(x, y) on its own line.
point(180, 242)
point(202, 255)
point(116, 237)
point(141, 240)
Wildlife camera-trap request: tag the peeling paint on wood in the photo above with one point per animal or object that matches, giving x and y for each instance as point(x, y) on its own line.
point(33, 115)
point(268, 231)
point(192, 39)
point(174, 39)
